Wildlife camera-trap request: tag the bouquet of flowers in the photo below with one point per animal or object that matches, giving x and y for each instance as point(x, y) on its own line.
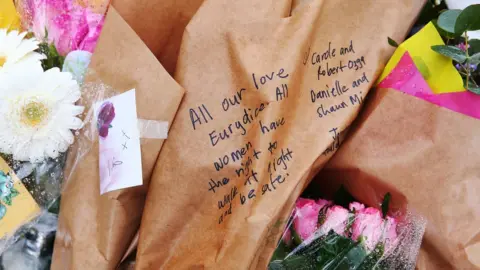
point(324, 235)
point(45, 47)
point(418, 133)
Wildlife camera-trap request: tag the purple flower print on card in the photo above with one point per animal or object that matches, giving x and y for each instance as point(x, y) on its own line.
point(105, 118)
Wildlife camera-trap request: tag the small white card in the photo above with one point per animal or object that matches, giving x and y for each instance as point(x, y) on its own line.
point(119, 142)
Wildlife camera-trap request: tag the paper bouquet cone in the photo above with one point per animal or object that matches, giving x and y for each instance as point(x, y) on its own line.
point(270, 85)
point(429, 154)
point(95, 231)
point(160, 24)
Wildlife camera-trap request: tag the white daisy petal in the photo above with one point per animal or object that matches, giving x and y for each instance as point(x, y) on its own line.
point(67, 136)
point(15, 49)
point(75, 123)
point(51, 149)
point(36, 119)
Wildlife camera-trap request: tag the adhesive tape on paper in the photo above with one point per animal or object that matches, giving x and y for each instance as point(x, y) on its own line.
point(150, 129)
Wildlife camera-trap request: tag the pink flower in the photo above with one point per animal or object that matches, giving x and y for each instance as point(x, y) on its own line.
point(336, 219)
point(356, 206)
point(323, 203)
point(306, 217)
point(463, 47)
point(64, 23)
point(369, 224)
point(390, 233)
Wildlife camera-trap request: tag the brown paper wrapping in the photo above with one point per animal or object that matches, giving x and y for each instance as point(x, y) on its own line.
point(188, 226)
point(430, 155)
point(95, 231)
point(160, 24)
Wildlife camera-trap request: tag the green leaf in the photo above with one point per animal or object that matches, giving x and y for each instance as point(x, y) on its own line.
point(468, 20)
point(350, 221)
point(293, 262)
point(451, 52)
point(276, 265)
point(474, 46)
point(385, 204)
point(7, 200)
point(322, 215)
point(392, 42)
point(442, 32)
point(296, 238)
point(353, 259)
point(472, 88)
point(14, 192)
point(447, 21)
point(372, 259)
point(54, 59)
point(281, 251)
point(475, 59)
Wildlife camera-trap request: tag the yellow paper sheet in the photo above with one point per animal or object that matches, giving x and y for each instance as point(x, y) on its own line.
point(8, 15)
point(437, 69)
point(23, 206)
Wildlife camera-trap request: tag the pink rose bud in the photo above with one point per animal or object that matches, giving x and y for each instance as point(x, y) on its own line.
point(356, 206)
point(336, 219)
point(368, 223)
point(306, 217)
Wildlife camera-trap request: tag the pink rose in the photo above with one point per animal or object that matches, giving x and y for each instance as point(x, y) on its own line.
point(390, 233)
point(336, 219)
point(356, 206)
point(369, 224)
point(64, 23)
point(306, 217)
point(324, 203)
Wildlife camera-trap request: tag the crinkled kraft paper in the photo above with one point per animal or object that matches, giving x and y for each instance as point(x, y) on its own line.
point(250, 135)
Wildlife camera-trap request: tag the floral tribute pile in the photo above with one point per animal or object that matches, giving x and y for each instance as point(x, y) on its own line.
point(45, 48)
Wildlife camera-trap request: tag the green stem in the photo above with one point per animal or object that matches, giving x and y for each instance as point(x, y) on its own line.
point(473, 81)
point(468, 58)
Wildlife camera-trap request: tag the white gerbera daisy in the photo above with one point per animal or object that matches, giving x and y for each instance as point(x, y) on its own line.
point(38, 114)
point(16, 50)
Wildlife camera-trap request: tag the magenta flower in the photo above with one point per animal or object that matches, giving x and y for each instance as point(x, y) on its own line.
point(64, 23)
point(368, 223)
point(336, 219)
point(306, 217)
point(105, 118)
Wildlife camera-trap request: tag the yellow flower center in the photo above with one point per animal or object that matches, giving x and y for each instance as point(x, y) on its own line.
point(3, 60)
point(33, 113)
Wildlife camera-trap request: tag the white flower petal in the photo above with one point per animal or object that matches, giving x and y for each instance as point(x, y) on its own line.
point(15, 48)
point(47, 131)
point(51, 149)
point(75, 123)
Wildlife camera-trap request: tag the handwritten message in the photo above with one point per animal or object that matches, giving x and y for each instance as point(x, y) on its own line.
point(261, 168)
point(119, 143)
